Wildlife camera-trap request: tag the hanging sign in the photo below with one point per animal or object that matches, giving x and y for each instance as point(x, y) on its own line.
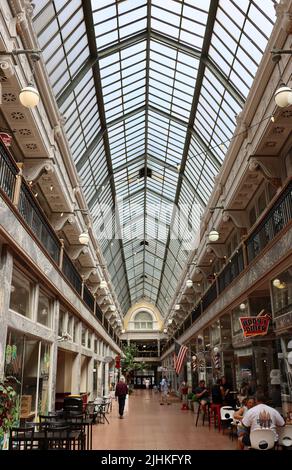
point(6, 138)
point(255, 326)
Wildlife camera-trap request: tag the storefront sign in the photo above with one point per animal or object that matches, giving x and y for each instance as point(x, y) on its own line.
point(6, 138)
point(254, 326)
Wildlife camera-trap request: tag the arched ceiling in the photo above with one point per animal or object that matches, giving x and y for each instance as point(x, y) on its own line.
point(151, 90)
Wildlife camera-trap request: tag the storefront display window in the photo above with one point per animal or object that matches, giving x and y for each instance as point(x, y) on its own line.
point(44, 312)
point(285, 360)
point(21, 294)
point(27, 363)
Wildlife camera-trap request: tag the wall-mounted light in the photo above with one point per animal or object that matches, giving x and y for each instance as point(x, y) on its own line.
point(84, 238)
point(276, 282)
point(123, 331)
point(213, 235)
point(177, 307)
point(165, 330)
point(170, 320)
point(189, 283)
point(103, 285)
point(242, 306)
point(283, 95)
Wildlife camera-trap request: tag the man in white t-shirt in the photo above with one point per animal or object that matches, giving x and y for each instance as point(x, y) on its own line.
point(261, 416)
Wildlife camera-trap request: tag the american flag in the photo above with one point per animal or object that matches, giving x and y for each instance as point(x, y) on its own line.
point(179, 356)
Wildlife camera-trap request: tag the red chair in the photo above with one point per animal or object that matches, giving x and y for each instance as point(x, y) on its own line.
point(214, 413)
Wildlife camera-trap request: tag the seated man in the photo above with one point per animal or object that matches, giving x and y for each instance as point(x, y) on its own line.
point(238, 416)
point(261, 416)
point(202, 395)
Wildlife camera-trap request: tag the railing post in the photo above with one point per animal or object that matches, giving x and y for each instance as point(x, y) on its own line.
point(244, 252)
point(61, 254)
point(82, 288)
point(94, 306)
point(17, 187)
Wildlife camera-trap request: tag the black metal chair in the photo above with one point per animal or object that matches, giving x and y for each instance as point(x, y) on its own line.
point(21, 438)
point(91, 411)
point(57, 437)
point(73, 405)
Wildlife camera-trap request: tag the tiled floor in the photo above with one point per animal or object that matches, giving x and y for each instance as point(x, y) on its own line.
point(148, 425)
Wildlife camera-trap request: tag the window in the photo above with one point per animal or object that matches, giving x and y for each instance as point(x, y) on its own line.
point(89, 340)
point(282, 293)
point(21, 294)
point(252, 216)
point(143, 320)
point(44, 310)
point(261, 203)
point(61, 323)
point(95, 346)
point(83, 336)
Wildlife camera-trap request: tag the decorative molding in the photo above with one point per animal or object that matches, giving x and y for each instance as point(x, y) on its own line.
point(7, 66)
point(34, 168)
point(58, 222)
point(270, 168)
point(75, 251)
point(86, 272)
point(218, 248)
point(284, 15)
point(238, 217)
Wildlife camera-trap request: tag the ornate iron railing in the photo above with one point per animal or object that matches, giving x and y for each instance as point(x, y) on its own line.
point(232, 269)
point(88, 298)
point(277, 218)
point(8, 172)
point(37, 221)
point(71, 273)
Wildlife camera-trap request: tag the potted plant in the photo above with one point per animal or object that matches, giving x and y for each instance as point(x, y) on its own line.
point(9, 409)
point(129, 365)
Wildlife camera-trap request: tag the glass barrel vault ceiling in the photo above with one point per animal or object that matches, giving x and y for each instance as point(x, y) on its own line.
point(150, 90)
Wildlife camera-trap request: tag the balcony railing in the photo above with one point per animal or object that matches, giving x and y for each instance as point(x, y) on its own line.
point(277, 218)
point(8, 172)
point(88, 298)
point(36, 220)
point(71, 273)
point(209, 296)
point(233, 268)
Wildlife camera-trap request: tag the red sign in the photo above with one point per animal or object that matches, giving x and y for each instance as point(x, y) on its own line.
point(6, 138)
point(254, 326)
point(118, 362)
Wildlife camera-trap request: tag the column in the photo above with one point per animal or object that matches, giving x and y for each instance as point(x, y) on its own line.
point(106, 378)
point(76, 375)
point(6, 266)
point(99, 378)
point(90, 378)
point(54, 357)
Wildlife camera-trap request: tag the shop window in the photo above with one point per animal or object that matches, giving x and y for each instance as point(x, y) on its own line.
point(83, 336)
point(21, 294)
point(89, 340)
point(95, 346)
point(61, 323)
point(252, 216)
point(75, 323)
point(282, 293)
point(70, 325)
point(261, 202)
point(44, 312)
point(27, 363)
point(236, 325)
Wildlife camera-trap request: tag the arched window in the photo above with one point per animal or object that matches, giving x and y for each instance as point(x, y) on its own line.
point(143, 321)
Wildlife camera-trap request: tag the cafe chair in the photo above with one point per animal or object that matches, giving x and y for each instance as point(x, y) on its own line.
point(262, 439)
point(21, 438)
point(226, 416)
point(285, 437)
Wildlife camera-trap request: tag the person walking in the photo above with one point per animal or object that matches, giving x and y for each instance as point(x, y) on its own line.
point(121, 393)
point(164, 387)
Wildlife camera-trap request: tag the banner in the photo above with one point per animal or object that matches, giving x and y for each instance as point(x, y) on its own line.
point(254, 326)
point(6, 138)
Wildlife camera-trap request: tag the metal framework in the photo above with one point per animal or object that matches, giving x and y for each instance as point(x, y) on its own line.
point(151, 90)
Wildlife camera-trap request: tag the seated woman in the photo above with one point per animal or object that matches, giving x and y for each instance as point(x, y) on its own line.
point(238, 416)
point(202, 395)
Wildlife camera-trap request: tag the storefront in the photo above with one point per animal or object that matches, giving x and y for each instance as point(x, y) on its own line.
point(27, 365)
